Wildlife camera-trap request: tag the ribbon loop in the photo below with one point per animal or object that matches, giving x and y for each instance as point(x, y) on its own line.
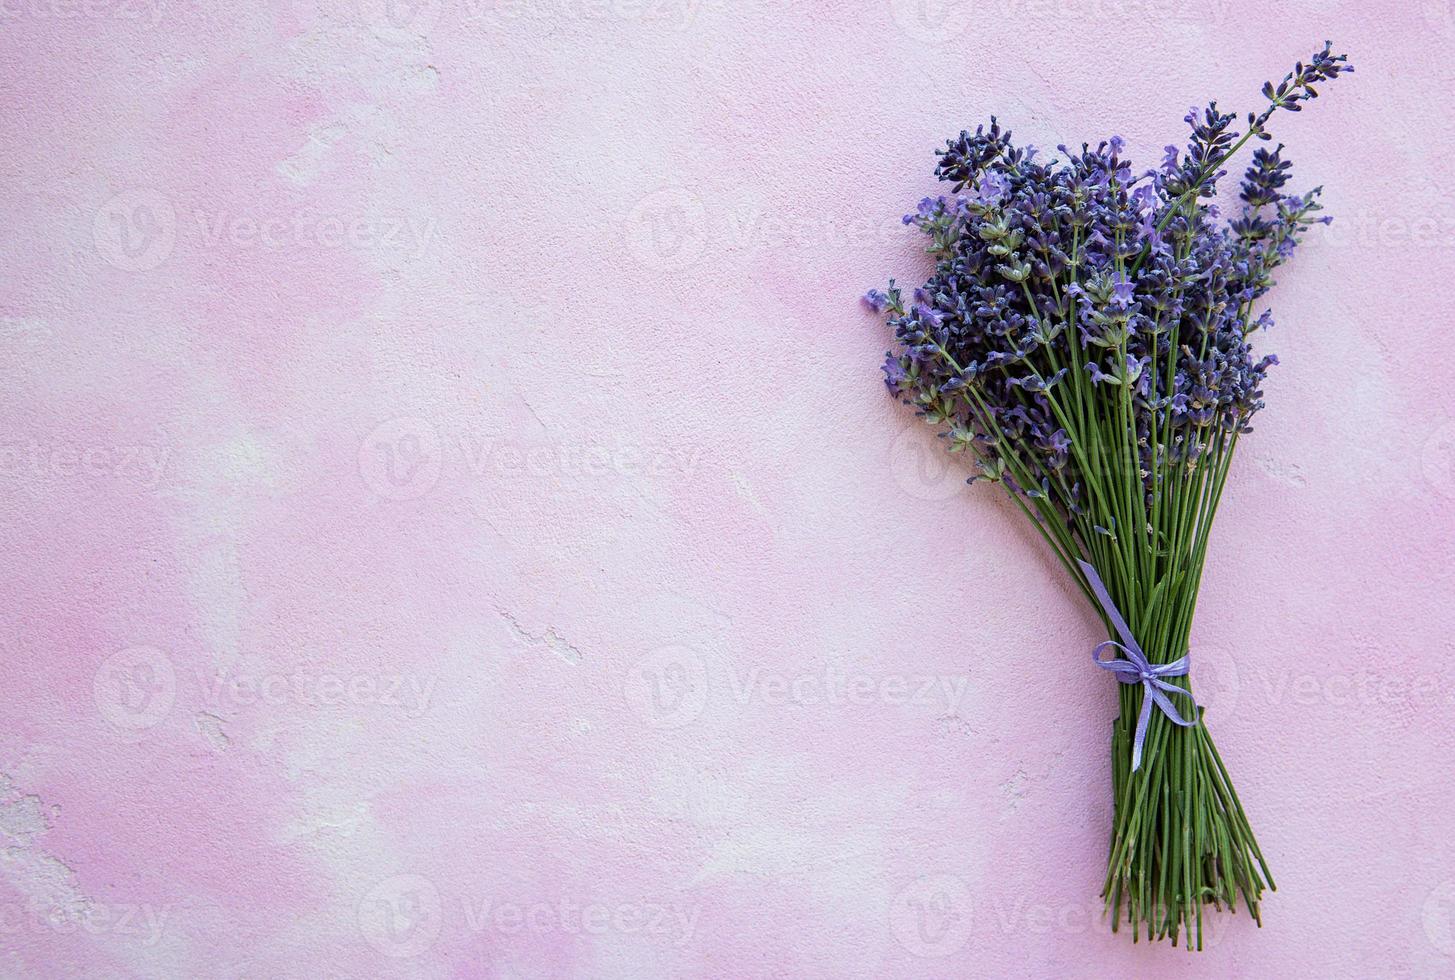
point(1135, 668)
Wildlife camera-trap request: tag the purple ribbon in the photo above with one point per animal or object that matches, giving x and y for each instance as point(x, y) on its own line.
point(1136, 669)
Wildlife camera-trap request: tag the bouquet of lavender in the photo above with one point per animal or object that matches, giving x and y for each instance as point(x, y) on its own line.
point(1085, 340)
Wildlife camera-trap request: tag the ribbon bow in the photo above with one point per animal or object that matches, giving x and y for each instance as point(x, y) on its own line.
point(1136, 669)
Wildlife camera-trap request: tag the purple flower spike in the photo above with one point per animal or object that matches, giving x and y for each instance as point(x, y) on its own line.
point(1050, 274)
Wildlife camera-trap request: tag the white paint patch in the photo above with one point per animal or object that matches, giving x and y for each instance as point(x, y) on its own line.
point(21, 816)
point(209, 726)
point(758, 829)
point(44, 879)
point(343, 819)
point(24, 328)
point(302, 167)
point(422, 79)
point(243, 460)
point(745, 491)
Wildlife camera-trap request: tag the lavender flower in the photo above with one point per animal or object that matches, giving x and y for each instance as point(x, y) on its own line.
point(876, 300)
point(1074, 269)
point(1086, 337)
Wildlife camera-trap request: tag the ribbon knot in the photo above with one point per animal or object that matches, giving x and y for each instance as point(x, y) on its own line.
point(1135, 668)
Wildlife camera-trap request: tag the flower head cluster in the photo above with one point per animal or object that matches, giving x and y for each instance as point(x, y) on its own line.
point(1077, 296)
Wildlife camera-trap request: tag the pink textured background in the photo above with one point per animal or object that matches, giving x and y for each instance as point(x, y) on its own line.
point(453, 525)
